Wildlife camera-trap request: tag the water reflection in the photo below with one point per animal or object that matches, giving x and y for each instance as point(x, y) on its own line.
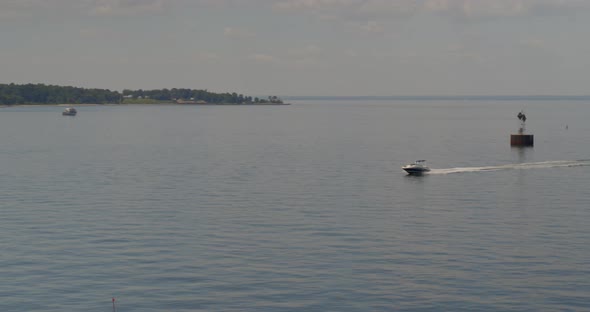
point(523, 153)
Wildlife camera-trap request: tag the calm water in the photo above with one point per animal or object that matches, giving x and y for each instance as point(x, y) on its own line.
point(295, 208)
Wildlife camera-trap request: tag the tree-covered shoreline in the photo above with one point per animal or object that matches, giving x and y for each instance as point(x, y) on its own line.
point(20, 94)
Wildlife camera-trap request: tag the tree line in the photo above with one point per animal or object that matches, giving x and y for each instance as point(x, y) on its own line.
point(205, 96)
point(12, 94)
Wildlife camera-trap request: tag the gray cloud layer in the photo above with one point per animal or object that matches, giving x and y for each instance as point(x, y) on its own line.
point(370, 8)
point(301, 46)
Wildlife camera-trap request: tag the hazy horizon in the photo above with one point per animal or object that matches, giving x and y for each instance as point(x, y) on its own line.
point(301, 47)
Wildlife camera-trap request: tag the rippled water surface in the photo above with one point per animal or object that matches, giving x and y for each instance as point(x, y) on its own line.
point(295, 208)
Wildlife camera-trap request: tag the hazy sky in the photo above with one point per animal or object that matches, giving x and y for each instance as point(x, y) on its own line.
point(301, 47)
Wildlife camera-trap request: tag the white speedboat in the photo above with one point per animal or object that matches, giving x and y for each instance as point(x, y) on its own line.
point(416, 168)
point(70, 111)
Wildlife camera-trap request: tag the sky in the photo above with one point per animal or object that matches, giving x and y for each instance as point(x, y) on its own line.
point(301, 47)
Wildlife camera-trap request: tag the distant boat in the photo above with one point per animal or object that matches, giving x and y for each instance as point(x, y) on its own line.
point(70, 111)
point(416, 168)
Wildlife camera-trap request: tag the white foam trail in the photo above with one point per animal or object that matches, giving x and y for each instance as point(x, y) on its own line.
point(531, 165)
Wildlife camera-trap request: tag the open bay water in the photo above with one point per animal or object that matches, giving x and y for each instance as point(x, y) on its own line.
point(295, 208)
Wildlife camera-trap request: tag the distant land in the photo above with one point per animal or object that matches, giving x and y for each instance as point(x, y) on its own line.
point(445, 98)
point(40, 94)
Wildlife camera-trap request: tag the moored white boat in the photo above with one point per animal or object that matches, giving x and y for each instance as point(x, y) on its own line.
point(70, 111)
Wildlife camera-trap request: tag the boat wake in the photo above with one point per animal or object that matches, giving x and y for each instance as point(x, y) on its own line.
point(531, 165)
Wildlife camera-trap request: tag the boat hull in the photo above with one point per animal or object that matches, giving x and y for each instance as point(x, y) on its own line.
point(416, 170)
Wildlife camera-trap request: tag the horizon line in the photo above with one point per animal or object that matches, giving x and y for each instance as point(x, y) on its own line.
point(441, 97)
